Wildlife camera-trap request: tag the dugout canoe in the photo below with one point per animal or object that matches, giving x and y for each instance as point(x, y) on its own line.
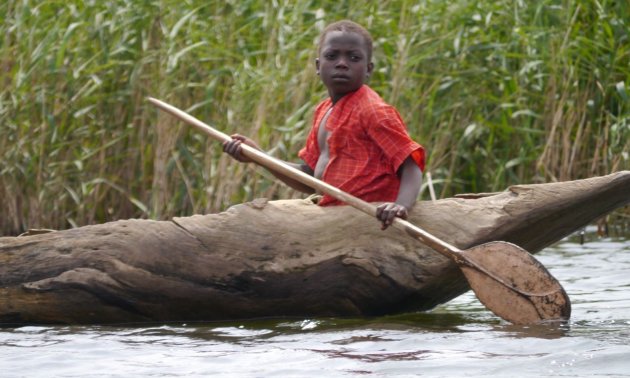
point(287, 258)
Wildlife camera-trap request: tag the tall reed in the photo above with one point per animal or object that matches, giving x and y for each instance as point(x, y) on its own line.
point(500, 92)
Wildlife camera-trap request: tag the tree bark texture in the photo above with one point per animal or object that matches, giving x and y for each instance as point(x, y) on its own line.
point(287, 258)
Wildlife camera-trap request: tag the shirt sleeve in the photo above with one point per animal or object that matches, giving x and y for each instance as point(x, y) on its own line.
point(310, 152)
point(387, 129)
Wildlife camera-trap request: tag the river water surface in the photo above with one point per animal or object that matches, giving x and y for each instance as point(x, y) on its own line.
point(460, 338)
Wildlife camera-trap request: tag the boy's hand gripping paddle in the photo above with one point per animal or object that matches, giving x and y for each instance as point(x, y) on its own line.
point(508, 280)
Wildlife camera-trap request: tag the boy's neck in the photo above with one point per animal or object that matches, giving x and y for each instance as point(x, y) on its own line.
point(335, 99)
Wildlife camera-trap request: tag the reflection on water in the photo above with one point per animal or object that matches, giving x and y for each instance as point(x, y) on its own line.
point(460, 338)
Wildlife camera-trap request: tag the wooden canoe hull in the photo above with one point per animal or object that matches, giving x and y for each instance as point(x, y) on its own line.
point(286, 258)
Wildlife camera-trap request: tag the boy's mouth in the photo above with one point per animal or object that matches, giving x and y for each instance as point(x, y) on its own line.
point(340, 77)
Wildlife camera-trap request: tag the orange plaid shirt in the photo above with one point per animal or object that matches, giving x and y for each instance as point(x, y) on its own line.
point(367, 142)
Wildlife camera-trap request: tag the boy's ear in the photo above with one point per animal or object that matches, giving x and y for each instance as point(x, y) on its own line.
point(370, 68)
point(317, 65)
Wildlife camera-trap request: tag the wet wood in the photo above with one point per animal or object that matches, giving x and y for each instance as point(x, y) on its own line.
point(279, 258)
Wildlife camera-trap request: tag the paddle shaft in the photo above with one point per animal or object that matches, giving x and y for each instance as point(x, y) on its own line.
point(279, 166)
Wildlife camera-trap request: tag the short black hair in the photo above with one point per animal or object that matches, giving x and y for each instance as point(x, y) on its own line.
point(347, 26)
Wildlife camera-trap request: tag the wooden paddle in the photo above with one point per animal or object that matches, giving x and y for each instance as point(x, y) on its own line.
point(508, 280)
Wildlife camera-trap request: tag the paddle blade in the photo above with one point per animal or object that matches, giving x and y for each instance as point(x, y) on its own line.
point(511, 283)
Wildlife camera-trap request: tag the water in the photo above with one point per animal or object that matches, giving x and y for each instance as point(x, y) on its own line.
point(460, 338)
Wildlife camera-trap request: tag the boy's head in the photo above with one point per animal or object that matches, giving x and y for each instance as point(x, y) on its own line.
point(344, 60)
point(347, 26)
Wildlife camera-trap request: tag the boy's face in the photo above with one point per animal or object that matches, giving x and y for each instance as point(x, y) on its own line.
point(343, 63)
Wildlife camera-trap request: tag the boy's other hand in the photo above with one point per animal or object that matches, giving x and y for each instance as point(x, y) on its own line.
point(234, 149)
point(387, 211)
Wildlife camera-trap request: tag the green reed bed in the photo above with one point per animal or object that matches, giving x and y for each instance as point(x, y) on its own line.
point(500, 92)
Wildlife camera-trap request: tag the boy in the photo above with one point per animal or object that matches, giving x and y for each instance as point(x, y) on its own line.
point(358, 143)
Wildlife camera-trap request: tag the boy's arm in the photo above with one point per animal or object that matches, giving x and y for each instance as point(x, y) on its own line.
point(294, 184)
point(410, 183)
point(233, 148)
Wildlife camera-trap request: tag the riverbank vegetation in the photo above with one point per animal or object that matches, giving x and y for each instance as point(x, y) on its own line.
point(500, 92)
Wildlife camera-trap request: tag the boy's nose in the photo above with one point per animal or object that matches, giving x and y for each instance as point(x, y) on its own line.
point(341, 63)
